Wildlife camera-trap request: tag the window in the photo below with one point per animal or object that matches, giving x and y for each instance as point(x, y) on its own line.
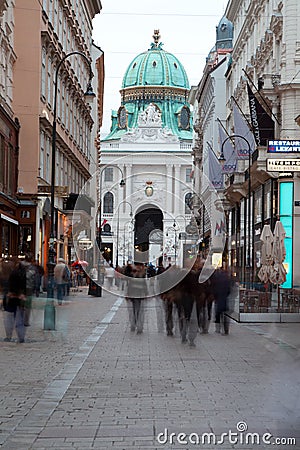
point(47, 172)
point(106, 229)
point(109, 174)
point(25, 214)
point(188, 200)
point(2, 162)
point(63, 110)
point(49, 81)
point(43, 77)
point(267, 201)
point(10, 171)
point(258, 206)
point(42, 154)
point(108, 203)
point(58, 98)
point(188, 175)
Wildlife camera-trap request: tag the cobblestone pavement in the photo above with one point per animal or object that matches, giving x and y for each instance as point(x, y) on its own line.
point(93, 384)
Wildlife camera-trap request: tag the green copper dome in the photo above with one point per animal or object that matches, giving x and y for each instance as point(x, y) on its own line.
point(156, 67)
point(157, 77)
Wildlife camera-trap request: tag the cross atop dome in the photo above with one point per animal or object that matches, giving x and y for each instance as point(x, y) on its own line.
point(156, 37)
point(156, 44)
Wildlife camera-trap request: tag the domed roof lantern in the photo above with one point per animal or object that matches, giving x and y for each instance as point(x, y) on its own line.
point(224, 32)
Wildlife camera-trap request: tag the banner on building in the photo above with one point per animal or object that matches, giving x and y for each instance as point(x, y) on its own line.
point(228, 150)
point(241, 128)
point(215, 175)
point(262, 123)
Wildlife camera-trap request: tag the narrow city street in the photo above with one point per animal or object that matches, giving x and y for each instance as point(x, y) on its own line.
point(93, 383)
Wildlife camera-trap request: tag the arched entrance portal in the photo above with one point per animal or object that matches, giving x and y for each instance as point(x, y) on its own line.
point(148, 234)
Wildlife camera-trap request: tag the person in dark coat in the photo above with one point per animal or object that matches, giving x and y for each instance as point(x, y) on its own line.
point(135, 296)
point(188, 306)
point(15, 303)
point(220, 285)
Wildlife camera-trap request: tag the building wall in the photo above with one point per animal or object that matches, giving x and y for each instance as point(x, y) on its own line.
point(7, 54)
point(26, 93)
point(165, 166)
point(266, 47)
point(47, 32)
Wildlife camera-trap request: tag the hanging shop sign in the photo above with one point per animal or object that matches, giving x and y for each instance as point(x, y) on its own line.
point(284, 146)
point(283, 165)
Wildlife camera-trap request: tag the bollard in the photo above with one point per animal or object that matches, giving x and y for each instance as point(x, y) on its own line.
point(49, 315)
point(49, 311)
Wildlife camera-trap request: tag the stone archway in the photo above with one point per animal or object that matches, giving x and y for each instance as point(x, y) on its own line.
point(147, 219)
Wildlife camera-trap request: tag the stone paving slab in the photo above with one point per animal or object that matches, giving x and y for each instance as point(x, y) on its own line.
point(93, 384)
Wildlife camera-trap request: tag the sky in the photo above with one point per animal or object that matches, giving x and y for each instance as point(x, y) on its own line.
point(124, 29)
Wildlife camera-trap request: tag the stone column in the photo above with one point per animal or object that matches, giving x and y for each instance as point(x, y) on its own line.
point(128, 186)
point(169, 193)
point(177, 191)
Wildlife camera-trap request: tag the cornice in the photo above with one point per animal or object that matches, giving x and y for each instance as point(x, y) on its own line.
point(149, 92)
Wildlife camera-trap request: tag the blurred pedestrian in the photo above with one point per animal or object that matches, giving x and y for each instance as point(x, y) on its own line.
point(15, 303)
point(170, 294)
point(110, 275)
point(188, 308)
point(60, 278)
point(39, 275)
point(221, 283)
point(6, 267)
point(159, 302)
point(31, 279)
point(135, 296)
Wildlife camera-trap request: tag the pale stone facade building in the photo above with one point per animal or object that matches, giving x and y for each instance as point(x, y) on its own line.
point(149, 147)
point(264, 58)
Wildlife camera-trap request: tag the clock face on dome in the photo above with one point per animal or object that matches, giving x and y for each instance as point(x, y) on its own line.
point(122, 117)
point(185, 118)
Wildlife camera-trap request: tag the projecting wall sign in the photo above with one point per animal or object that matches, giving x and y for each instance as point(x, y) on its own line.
point(283, 165)
point(284, 146)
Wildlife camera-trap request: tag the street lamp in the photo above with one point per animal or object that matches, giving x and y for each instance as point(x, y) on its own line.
point(122, 184)
point(222, 161)
point(49, 313)
point(183, 246)
point(173, 228)
point(124, 229)
point(118, 228)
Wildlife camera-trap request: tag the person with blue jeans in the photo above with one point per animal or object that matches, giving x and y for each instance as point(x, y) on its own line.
point(60, 274)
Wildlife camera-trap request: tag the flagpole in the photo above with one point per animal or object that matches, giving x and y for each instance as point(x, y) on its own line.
point(261, 96)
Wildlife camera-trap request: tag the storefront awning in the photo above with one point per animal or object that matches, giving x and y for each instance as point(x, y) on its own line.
point(9, 219)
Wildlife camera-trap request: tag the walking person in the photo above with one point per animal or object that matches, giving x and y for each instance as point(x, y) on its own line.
point(39, 275)
point(170, 294)
point(220, 283)
point(110, 275)
point(60, 278)
point(188, 308)
point(31, 282)
point(159, 302)
point(15, 304)
point(135, 296)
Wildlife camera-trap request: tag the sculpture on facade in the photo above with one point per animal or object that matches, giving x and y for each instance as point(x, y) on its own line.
point(151, 116)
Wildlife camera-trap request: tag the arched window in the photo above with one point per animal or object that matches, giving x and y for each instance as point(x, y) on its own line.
point(188, 200)
point(108, 203)
point(107, 228)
